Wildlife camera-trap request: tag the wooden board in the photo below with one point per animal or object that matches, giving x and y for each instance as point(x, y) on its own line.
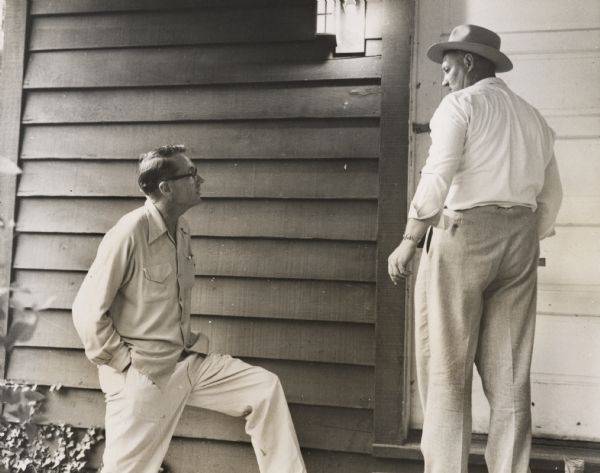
point(202, 103)
point(555, 96)
point(571, 257)
point(391, 372)
point(322, 384)
point(302, 179)
point(212, 456)
point(579, 361)
point(13, 56)
point(264, 139)
point(216, 457)
point(212, 64)
point(240, 297)
point(517, 16)
point(326, 428)
point(341, 220)
point(215, 25)
point(61, 7)
point(244, 337)
point(555, 299)
point(554, 414)
point(290, 259)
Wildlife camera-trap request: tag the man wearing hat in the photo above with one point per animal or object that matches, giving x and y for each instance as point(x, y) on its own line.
point(489, 191)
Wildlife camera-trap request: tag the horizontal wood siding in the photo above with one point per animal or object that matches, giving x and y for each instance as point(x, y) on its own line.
point(323, 179)
point(287, 139)
point(150, 66)
point(258, 139)
point(245, 23)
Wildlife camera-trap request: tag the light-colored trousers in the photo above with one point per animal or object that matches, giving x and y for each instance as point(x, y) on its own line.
point(141, 418)
point(475, 302)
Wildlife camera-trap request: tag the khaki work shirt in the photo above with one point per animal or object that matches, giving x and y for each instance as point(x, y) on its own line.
point(134, 304)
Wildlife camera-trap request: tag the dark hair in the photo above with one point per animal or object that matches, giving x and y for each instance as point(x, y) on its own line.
point(156, 165)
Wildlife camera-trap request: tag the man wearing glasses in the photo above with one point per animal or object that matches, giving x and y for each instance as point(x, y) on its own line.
point(132, 313)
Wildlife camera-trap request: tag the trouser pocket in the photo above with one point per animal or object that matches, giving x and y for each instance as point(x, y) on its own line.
point(112, 382)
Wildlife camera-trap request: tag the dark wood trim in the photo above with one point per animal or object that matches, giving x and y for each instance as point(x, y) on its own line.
point(173, 27)
point(66, 7)
point(13, 61)
point(392, 366)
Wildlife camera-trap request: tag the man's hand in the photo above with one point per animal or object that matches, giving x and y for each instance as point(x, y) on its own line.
point(399, 260)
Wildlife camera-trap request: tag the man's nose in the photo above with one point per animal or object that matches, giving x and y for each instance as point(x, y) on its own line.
point(445, 83)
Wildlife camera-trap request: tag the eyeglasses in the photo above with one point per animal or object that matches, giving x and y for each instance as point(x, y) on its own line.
point(193, 172)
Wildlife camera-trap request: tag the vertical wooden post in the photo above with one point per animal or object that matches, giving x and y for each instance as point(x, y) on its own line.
point(392, 363)
point(13, 63)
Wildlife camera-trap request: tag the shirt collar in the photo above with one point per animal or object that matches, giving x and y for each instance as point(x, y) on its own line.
point(491, 81)
point(156, 224)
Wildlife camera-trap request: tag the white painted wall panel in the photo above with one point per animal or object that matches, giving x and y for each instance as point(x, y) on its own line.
point(524, 15)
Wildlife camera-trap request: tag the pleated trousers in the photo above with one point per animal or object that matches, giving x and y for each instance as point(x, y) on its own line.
point(475, 303)
point(141, 418)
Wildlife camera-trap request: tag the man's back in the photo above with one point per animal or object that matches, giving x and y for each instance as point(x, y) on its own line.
point(506, 146)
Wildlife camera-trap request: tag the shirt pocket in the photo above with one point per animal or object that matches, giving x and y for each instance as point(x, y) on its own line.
point(157, 282)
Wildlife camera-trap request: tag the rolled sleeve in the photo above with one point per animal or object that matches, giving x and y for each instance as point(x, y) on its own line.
point(91, 317)
point(448, 133)
point(549, 200)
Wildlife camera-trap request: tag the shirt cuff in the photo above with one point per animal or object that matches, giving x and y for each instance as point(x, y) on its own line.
point(121, 358)
point(421, 214)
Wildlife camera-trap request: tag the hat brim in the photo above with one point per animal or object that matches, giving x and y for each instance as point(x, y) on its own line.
point(503, 64)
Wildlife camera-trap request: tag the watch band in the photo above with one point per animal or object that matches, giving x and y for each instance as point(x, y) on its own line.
point(408, 236)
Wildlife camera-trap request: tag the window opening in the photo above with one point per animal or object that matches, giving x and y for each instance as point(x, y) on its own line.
point(347, 20)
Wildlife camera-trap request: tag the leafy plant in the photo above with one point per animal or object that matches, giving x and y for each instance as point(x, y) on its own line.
point(25, 445)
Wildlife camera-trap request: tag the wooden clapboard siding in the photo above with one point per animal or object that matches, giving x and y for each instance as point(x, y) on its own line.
point(556, 299)
point(265, 258)
point(263, 139)
point(203, 456)
point(337, 219)
point(172, 27)
point(61, 7)
point(212, 456)
point(196, 65)
point(579, 167)
point(329, 179)
point(245, 337)
point(310, 383)
point(339, 429)
point(202, 103)
point(286, 137)
point(239, 297)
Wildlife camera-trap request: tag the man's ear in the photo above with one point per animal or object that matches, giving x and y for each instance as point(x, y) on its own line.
point(469, 61)
point(164, 188)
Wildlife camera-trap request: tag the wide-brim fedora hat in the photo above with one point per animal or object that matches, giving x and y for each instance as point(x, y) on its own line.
point(472, 39)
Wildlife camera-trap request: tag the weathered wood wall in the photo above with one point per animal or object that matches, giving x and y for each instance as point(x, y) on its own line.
point(287, 139)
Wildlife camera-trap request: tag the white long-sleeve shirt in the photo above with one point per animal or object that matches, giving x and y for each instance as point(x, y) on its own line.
point(489, 147)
